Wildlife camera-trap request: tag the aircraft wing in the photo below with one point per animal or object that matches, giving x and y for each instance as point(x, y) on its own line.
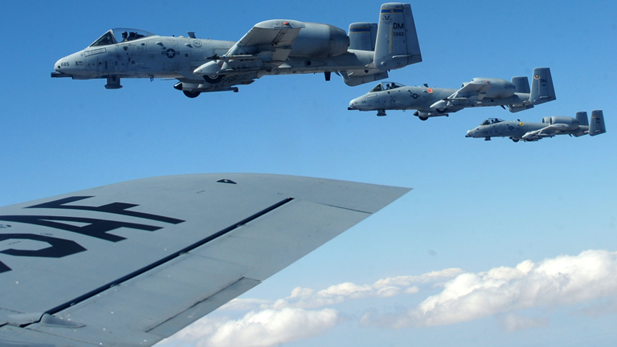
point(270, 40)
point(466, 96)
point(131, 263)
point(549, 131)
point(471, 89)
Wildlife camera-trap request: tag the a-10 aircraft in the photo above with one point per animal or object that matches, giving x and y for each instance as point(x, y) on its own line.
point(433, 102)
point(272, 47)
point(550, 126)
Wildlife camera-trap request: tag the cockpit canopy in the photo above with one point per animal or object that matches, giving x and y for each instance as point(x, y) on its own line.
point(492, 121)
point(117, 35)
point(386, 86)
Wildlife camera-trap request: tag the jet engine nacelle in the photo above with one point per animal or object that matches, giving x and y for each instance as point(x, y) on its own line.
point(570, 122)
point(320, 40)
point(499, 88)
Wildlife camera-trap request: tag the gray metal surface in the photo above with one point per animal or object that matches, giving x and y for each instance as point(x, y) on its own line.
point(479, 92)
point(151, 256)
point(272, 47)
point(550, 127)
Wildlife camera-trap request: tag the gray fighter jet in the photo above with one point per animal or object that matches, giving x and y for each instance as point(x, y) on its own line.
point(433, 102)
point(550, 126)
point(273, 47)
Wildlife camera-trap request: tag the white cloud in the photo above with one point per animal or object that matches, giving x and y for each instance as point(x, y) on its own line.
point(590, 278)
point(335, 294)
point(271, 322)
point(256, 329)
point(272, 327)
point(563, 280)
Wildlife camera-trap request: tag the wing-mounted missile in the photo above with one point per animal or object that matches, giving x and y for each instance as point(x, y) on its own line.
point(441, 104)
point(425, 115)
point(209, 68)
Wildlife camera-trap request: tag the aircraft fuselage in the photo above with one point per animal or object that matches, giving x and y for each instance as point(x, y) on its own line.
point(177, 57)
point(515, 130)
point(423, 98)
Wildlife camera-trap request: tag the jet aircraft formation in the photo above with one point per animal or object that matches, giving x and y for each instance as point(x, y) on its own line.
point(60, 285)
point(279, 47)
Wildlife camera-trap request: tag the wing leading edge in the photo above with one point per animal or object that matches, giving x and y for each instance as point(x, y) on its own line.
point(134, 262)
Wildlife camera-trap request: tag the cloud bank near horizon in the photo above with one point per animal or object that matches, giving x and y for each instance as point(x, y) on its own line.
point(502, 292)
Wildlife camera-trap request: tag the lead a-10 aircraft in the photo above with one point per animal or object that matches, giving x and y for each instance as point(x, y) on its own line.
point(433, 102)
point(273, 47)
point(550, 126)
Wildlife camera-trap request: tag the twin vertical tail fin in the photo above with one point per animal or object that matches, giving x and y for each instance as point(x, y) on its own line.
point(542, 89)
point(596, 125)
point(397, 41)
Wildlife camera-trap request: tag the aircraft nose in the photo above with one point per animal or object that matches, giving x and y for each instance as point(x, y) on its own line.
point(352, 104)
point(58, 65)
point(471, 133)
point(356, 104)
point(70, 65)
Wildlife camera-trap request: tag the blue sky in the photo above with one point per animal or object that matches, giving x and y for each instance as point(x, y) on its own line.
point(476, 207)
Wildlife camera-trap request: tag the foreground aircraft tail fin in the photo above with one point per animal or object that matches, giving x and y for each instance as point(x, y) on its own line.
point(362, 36)
point(542, 89)
point(581, 118)
point(596, 126)
point(397, 41)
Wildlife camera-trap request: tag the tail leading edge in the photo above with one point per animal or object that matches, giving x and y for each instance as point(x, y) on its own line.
point(542, 89)
point(397, 40)
point(596, 125)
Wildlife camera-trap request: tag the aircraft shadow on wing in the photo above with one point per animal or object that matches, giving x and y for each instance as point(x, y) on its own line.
point(434, 102)
point(272, 47)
